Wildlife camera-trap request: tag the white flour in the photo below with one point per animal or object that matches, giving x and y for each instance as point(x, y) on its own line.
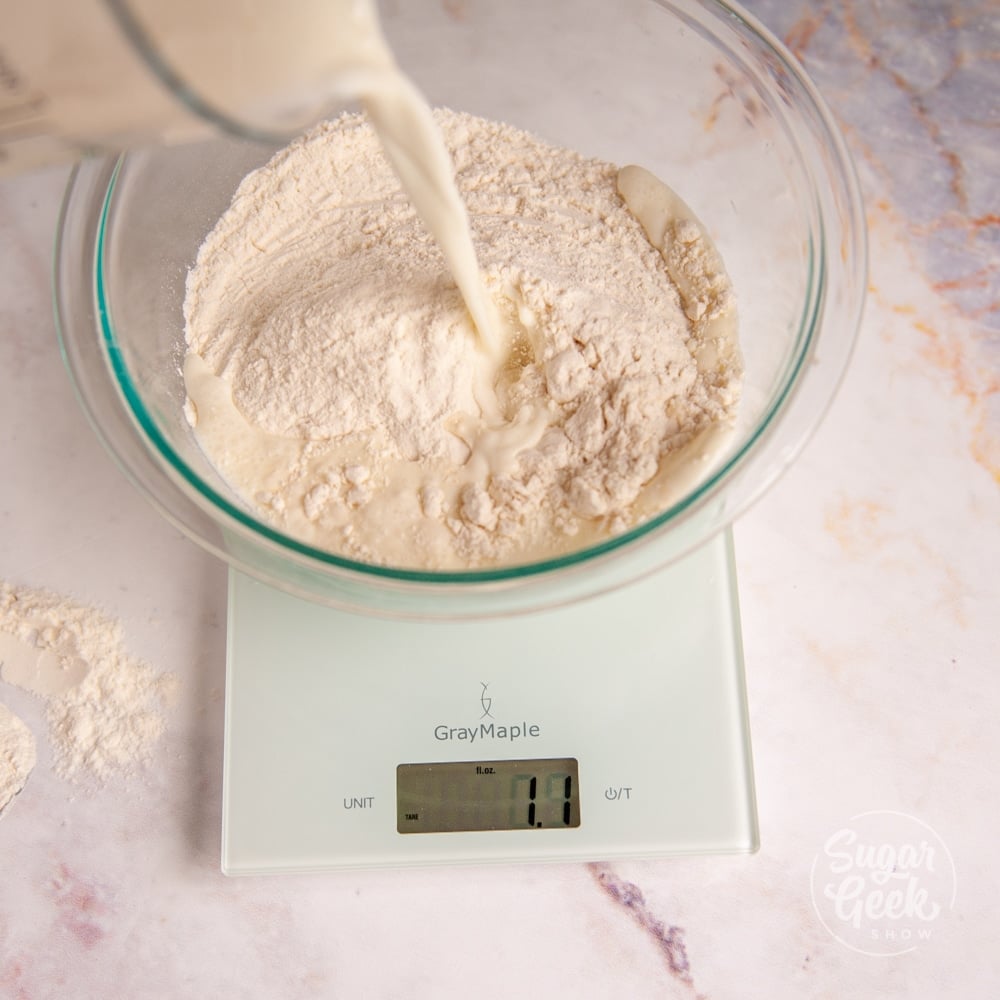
point(103, 705)
point(17, 755)
point(365, 418)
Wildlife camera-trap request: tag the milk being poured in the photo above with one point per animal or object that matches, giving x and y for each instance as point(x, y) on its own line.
point(81, 76)
point(413, 145)
point(84, 75)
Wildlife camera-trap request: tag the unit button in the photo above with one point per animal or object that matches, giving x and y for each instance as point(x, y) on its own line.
point(359, 801)
point(618, 793)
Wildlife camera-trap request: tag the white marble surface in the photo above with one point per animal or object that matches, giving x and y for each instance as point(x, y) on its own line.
point(870, 613)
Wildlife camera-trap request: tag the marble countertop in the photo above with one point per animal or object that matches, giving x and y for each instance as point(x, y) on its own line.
point(870, 617)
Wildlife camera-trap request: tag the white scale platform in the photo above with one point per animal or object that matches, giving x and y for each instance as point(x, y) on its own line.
point(618, 726)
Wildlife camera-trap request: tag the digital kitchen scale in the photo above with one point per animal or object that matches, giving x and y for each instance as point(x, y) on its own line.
point(615, 727)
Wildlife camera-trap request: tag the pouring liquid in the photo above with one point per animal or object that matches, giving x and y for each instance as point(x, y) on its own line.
point(79, 76)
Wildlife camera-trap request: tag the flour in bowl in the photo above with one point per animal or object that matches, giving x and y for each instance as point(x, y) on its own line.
point(337, 383)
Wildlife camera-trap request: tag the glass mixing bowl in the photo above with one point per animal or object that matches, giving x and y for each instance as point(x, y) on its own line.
point(697, 92)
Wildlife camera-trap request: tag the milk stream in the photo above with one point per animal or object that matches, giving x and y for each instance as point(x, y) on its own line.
point(413, 144)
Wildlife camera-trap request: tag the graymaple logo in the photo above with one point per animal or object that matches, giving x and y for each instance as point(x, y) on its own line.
point(485, 700)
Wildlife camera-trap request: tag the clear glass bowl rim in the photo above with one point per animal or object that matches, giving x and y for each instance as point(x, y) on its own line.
point(791, 385)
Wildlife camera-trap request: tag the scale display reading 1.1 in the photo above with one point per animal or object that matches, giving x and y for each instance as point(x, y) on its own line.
point(461, 796)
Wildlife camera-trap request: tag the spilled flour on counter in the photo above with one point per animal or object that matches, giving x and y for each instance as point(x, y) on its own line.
point(17, 755)
point(103, 705)
point(336, 381)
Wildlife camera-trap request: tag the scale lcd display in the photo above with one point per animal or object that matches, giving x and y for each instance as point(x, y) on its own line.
point(463, 796)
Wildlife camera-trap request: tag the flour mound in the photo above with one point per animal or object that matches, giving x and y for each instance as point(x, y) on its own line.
point(104, 706)
point(325, 311)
